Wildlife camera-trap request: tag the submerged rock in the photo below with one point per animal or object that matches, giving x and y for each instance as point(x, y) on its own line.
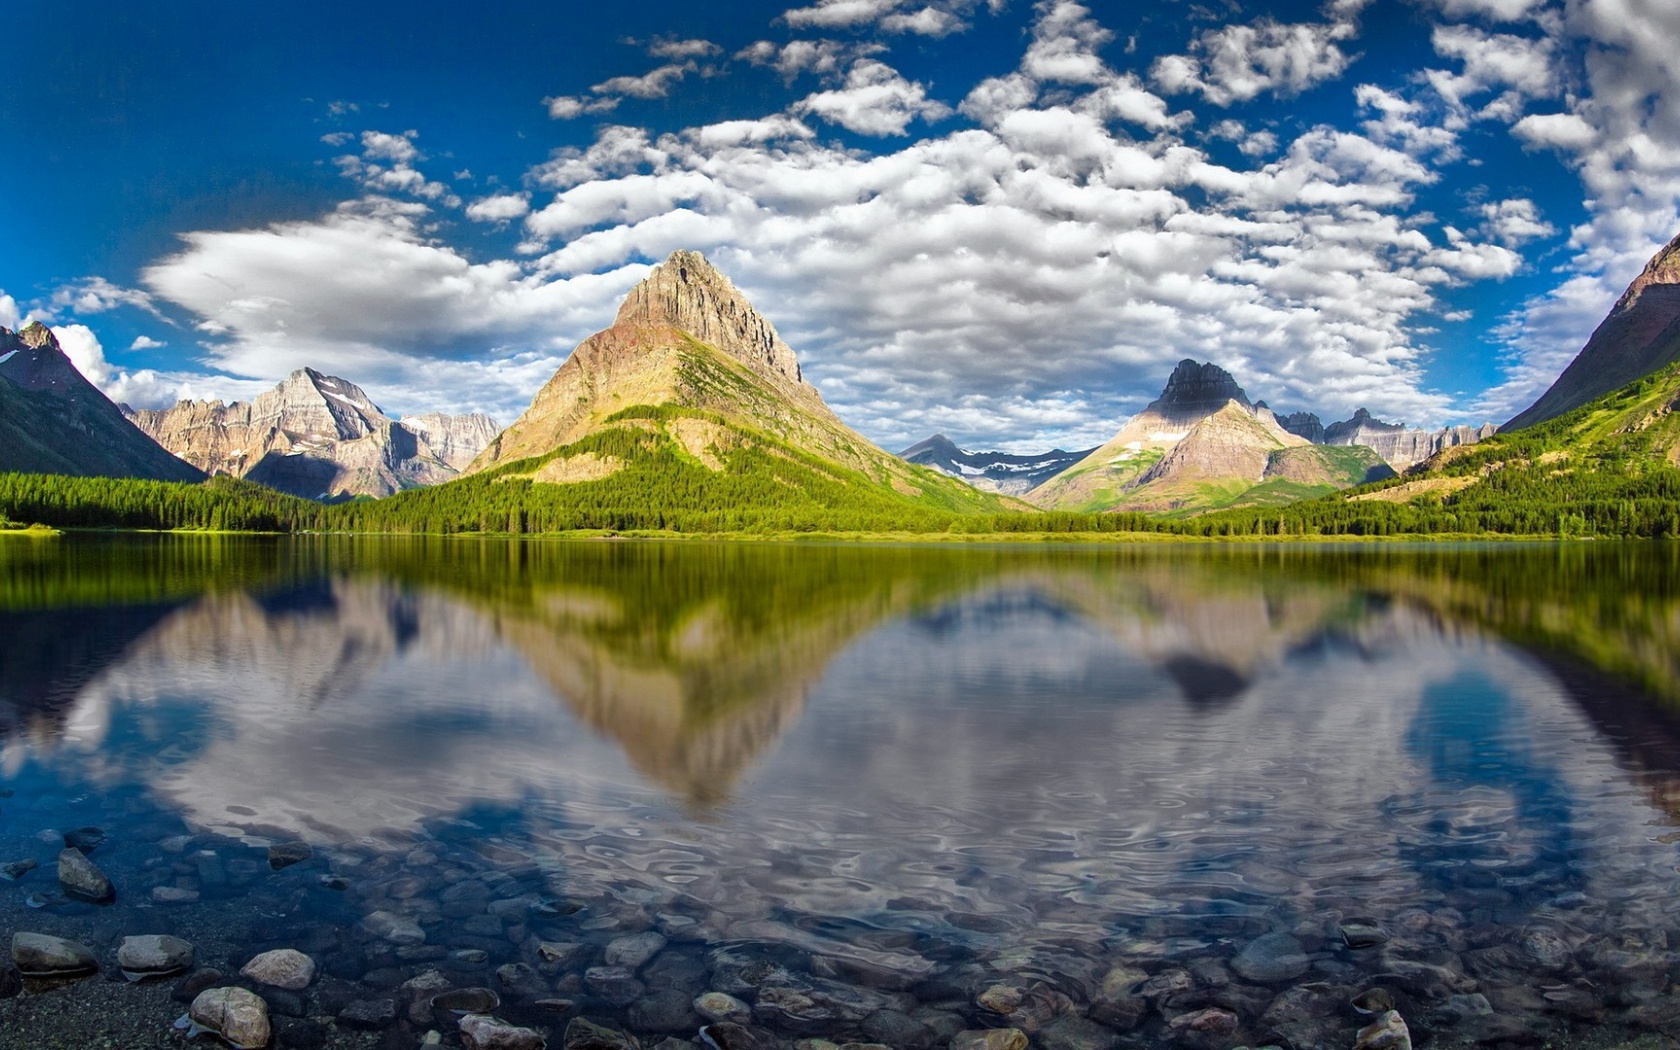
point(173, 895)
point(153, 955)
point(285, 854)
point(584, 1034)
point(633, 952)
point(1209, 1028)
point(467, 1001)
point(727, 1035)
point(1271, 959)
point(86, 840)
point(42, 955)
point(1363, 933)
point(82, 879)
point(717, 1006)
point(238, 1016)
point(11, 981)
point(370, 1015)
point(397, 929)
point(14, 870)
point(284, 968)
point(990, 1039)
point(1387, 1032)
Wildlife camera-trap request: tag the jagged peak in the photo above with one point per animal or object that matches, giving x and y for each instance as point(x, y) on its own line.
point(1194, 386)
point(1664, 268)
point(688, 293)
point(36, 335)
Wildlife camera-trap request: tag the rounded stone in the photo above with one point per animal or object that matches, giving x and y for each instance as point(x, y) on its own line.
point(42, 955)
point(719, 1006)
point(1271, 958)
point(479, 1032)
point(1387, 1032)
point(285, 968)
point(82, 879)
point(990, 1039)
point(153, 955)
point(239, 1016)
point(369, 1014)
point(397, 929)
point(633, 952)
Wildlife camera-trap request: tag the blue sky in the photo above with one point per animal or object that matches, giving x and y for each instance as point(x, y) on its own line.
point(1000, 219)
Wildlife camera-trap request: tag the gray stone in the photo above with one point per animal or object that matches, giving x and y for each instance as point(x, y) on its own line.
point(467, 1001)
point(14, 870)
point(42, 955)
point(615, 984)
point(718, 1006)
point(1373, 1001)
point(668, 1011)
point(153, 955)
point(370, 1015)
point(1271, 959)
point(1308, 1017)
point(82, 879)
point(1363, 933)
point(1077, 1033)
point(397, 929)
point(285, 854)
point(1209, 1028)
point(990, 1039)
point(521, 982)
point(85, 840)
point(727, 1035)
point(1546, 947)
point(479, 1032)
point(283, 968)
point(897, 1030)
point(239, 1016)
point(584, 1034)
point(173, 895)
point(633, 952)
point(1387, 1032)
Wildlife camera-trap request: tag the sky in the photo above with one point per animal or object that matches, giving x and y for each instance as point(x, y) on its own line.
point(1003, 220)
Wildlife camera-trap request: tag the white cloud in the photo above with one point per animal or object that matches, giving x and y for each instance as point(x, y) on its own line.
point(1237, 63)
point(655, 83)
point(10, 316)
point(875, 100)
point(144, 388)
point(96, 295)
point(146, 342)
point(1563, 131)
point(821, 57)
point(567, 107)
point(500, 208)
point(672, 47)
point(386, 166)
point(1514, 222)
point(1496, 10)
point(933, 18)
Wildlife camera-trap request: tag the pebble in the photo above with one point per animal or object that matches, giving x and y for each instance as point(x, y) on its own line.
point(719, 1006)
point(369, 1014)
point(1387, 1032)
point(42, 955)
point(633, 952)
point(284, 968)
point(1271, 959)
point(990, 1039)
point(82, 879)
point(397, 929)
point(153, 955)
point(239, 1016)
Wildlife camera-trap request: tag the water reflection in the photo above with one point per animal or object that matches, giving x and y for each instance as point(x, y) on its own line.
point(910, 762)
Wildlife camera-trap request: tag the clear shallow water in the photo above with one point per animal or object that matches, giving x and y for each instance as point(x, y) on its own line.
point(890, 778)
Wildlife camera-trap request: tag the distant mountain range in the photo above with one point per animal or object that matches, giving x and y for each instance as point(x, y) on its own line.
point(317, 436)
point(992, 471)
point(53, 421)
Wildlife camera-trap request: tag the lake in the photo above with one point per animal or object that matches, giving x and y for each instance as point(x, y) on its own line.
point(1170, 795)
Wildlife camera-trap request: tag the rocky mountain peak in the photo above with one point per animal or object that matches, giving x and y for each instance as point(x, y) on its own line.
point(37, 336)
point(1198, 388)
point(688, 293)
point(1663, 269)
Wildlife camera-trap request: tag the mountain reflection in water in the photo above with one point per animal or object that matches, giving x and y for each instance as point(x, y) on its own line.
point(899, 753)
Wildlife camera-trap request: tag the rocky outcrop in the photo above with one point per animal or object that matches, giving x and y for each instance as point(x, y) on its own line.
point(1640, 335)
point(1013, 475)
point(1399, 446)
point(455, 439)
point(688, 293)
point(53, 421)
point(317, 436)
point(1303, 424)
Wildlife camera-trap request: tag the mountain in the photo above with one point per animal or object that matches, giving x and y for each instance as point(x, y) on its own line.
point(1400, 446)
point(53, 421)
point(1202, 444)
point(317, 436)
point(691, 401)
point(1640, 335)
point(991, 471)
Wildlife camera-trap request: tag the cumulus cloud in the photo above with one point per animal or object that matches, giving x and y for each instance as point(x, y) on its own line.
point(568, 107)
point(920, 17)
point(10, 316)
point(1495, 10)
point(96, 295)
point(146, 342)
point(826, 58)
point(1236, 63)
point(875, 100)
point(500, 208)
point(673, 47)
point(386, 165)
point(143, 388)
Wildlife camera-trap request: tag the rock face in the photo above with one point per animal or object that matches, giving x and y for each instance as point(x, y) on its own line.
point(1303, 424)
point(1399, 446)
point(53, 421)
point(690, 360)
point(317, 436)
point(1640, 335)
point(1013, 475)
point(1200, 445)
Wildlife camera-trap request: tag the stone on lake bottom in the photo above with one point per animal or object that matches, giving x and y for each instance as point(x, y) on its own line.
point(11, 981)
point(1387, 1032)
point(239, 1016)
point(1209, 1028)
point(727, 1035)
point(397, 929)
point(633, 952)
point(584, 1034)
point(479, 1032)
point(42, 955)
point(718, 1006)
point(285, 854)
point(990, 1039)
point(1361, 933)
point(82, 879)
point(369, 1014)
point(173, 895)
point(1271, 959)
point(285, 968)
point(14, 870)
point(153, 955)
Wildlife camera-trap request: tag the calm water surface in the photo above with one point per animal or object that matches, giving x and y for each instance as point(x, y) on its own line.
point(879, 794)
